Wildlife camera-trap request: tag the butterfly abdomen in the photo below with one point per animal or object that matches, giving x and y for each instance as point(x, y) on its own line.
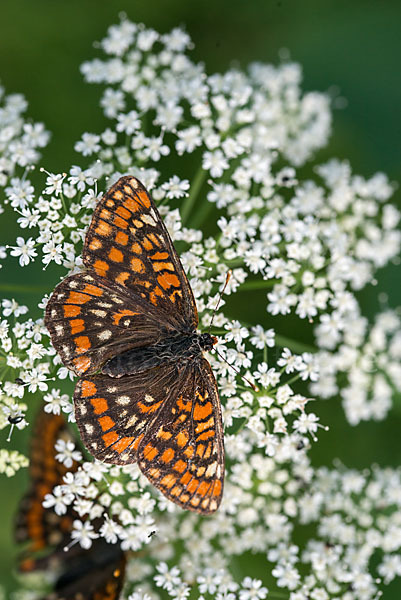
point(176, 348)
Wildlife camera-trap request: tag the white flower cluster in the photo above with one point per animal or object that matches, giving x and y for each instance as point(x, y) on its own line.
point(19, 139)
point(310, 245)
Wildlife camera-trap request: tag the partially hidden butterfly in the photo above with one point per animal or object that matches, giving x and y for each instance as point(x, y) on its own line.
point(79, 574)
point(127, 326)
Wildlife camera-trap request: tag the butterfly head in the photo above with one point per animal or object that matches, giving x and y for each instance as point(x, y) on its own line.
point(207, 341)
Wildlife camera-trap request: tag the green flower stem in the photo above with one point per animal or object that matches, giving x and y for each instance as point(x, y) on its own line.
point(294, 345)
point(15, 287)
point(190, 200)
point(257, 284)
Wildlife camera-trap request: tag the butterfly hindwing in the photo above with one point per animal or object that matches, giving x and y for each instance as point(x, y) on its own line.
point(166, 419)
point(182, 451)
point(113, 414)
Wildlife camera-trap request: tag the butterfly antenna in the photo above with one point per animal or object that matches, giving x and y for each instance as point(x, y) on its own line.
point(253, 386)
point(228, 277)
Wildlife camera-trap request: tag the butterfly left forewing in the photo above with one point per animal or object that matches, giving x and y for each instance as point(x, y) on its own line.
point(127, 242)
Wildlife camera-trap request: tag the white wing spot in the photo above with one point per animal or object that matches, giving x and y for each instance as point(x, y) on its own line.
point(88, 428)
point(134, 183)
point(98, 313)
point(148, 219)
point(104, 335)
point(105, 304)
point(82, 408)
point(149, 398)
point(112, 389)
point(211, 470)
point(73, 284)
point(123, 400)
point(59, 329)
point(67, 351)
point(131, 421)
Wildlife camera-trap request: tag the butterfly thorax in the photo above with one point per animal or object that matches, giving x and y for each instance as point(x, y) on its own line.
point(179, 348)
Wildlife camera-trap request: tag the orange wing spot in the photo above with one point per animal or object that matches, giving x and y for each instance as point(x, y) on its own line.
point(202, 411)
point(116, 255)
point(131, 204)
point(149, 452)
point(110, 438)
point(208, 451)
point(95, 244)
point(184, 498)
point(176, 491)
point(168, 480)
point(123, 444)
point(106, 423)
point(200, 450)
point(82, 363)
point(123, 313)
point(160, 266)
point(104, 214)
point(195, 501)
point(182, 439)
point(78, 298)
point(144, 198)
point(180, 466)
point(166, 280)
point(118, 195)
point(121, 238)
point(155, 473)
point(145, 408)
point(123, 212)
point(122, 277)
point(160, 256)
point(168, 455)
point(137, 265)
point(137, 248)
point(92, 290)
point(154, 293)
point(184, 405)
point(110, 203)
point(100, 405)
point(186, 478)
point(173, 295)
point(103, 229)
point(164, 435)
point(82, 343)
point(147, 244)
point(71, 311)
point(153, 237)
point(77, 325)
point(189, 451)
point(137, 441)
point(101, 267)
point(88, 388)
point(206, 425)
point(192, 486)
point(217, 488)
point(138, 224)
point(119, 222)
point(203, 488)
point(206, 435)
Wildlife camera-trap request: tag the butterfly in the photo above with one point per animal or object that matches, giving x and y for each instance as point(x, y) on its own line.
point(127, 326)
point(94, 574)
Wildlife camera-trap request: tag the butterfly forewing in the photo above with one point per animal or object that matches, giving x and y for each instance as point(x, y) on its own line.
point(127, 242)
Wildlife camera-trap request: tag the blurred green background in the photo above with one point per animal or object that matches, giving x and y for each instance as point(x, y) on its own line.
point(355, 46)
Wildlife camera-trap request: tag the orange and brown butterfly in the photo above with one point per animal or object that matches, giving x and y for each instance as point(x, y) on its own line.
point(94, 574)
point(127, 326)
